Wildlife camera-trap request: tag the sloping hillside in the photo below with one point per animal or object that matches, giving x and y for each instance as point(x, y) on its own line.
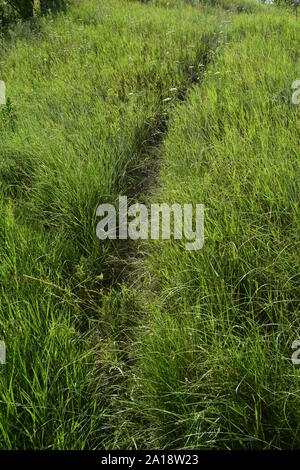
point(144, 344)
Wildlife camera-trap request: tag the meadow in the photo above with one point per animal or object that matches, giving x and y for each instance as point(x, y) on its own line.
point(143, 344)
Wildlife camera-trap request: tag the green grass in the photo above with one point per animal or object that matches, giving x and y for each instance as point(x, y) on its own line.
point(225, 317)
point(127, 345)
point(73, 135)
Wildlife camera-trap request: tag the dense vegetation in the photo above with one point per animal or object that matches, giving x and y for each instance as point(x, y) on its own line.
point(13, 10)
point(144, 344)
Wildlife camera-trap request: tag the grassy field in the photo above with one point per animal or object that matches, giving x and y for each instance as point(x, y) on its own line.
point(121, 344)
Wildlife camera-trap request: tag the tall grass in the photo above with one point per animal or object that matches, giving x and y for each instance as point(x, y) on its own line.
point(85, 106)
point(113, 345)
point(214, 367)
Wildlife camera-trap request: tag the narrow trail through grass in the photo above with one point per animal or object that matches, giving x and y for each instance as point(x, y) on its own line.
point(145, 345)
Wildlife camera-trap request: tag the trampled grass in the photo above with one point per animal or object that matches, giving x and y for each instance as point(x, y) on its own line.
point(147, 345)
